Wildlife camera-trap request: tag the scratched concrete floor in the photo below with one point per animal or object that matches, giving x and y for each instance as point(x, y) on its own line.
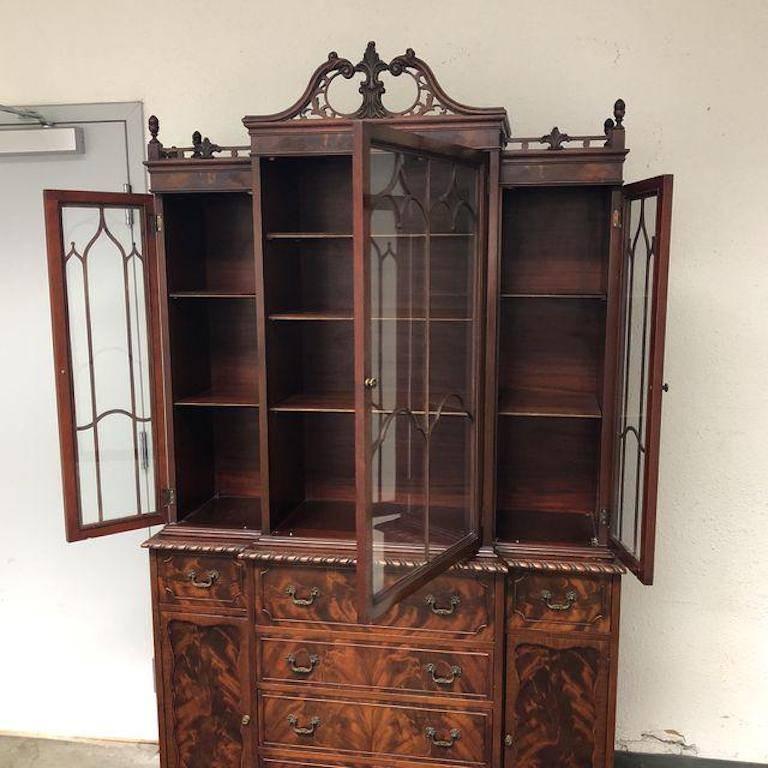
point(18, 752)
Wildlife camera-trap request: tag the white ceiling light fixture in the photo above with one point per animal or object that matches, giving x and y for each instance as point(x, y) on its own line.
point(42, 139)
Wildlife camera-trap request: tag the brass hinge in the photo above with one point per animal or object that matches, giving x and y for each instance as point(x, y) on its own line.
point(169, 497)
point(605, 516)
point(157, 222)
point(616, 218)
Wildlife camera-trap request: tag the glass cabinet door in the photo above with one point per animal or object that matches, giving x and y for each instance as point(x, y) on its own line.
point(419, 244)
point(101, 263)
point(640, 381)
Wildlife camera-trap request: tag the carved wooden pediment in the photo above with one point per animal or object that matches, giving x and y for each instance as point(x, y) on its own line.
point(430, 99)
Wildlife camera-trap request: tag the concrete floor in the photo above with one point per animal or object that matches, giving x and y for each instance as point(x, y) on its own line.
point(18, 752)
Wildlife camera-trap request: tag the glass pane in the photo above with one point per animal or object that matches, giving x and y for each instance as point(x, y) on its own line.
point(422, 261)
point(638, 281)
point(109, 353)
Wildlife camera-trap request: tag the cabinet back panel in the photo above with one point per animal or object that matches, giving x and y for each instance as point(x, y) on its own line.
point(548, 464)
point(310, 275)
point(307, 194)
point(555, 240)
point(217, 453)
point(553, 345)
point(213, 346)
point(309, 357)
point(209, 242)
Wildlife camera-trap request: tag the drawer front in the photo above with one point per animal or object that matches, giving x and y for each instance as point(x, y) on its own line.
point(362, 665)
point(460, 605)
point(376, 729)
point(306, 595)
point(201, 581)
point(546, 601)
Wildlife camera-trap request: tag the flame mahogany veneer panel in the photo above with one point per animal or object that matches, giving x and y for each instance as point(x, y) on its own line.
point(204, 668)
point(557, 693)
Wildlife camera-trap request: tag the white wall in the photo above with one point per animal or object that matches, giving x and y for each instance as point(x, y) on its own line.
point(693, 75)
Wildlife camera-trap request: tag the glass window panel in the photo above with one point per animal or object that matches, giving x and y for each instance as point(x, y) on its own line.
point(422, 261)
point(118, 468)
point(638, 282)
point(105, 284)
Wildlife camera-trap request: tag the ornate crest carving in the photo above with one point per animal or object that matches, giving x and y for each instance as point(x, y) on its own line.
point(430, 98)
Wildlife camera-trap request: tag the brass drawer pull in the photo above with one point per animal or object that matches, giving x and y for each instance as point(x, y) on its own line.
point(314, 593)
point(455, 672)
point(570, 599)
point(454, 736)
point(453, 602)
point(300, 730)
point(313, 661)
point(208, 580)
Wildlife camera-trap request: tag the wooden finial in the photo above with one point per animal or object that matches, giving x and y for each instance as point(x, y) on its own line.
point(619, 109)
point(154, 148)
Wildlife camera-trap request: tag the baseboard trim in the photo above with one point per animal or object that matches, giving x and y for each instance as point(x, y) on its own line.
point(639, 760)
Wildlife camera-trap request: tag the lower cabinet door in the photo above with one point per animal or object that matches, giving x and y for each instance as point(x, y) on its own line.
point(205, 691)
point(557, 701)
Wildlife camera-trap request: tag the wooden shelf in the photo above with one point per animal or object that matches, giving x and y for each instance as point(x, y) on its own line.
point(328, 519)
point(592, 296)
point(312, 315)
point(550, 403)
point(220, 399)
point(207, 294)
point(308, 235)
point(544, 527)
point(330, 402)
point(231, 512)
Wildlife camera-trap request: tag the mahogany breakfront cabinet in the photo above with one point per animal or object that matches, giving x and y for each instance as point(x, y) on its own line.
point(392, 381)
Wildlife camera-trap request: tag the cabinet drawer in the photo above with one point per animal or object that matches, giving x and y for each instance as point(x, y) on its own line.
point(459, 605)
point(306, 595)
point(546, 601)
point(363, 728)
point(378, 667)
point(201, 581)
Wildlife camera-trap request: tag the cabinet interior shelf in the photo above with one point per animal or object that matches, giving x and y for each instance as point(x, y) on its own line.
point(592, 296)
point(231, 512)
point(310, 315)
point(550, 403)
point(211, 294)
point(376, 235)
point(340, 402)
point(219, 399)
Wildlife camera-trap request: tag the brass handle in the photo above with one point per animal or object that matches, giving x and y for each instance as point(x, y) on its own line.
point(207, 582)
point(453, 736)
point(570, 599)
point(455, 672)
point(508, 740)
point(314, 593)
point(245, 720)
point(313, 661)
point(300, 730)
point(453, 602)
point(371, 382)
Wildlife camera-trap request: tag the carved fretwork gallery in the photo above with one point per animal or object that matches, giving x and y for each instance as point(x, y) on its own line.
point(391, 381)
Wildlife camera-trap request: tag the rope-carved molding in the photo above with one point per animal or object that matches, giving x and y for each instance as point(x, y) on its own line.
point(429, 100)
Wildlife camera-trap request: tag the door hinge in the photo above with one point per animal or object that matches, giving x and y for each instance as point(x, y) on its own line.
point(169, 497)
point(616, 219)
point(605, 516)
point(157, 222)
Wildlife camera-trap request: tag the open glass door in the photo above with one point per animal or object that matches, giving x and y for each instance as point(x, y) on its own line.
point(419, 232)
point(640, 381)
point(101, 270)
